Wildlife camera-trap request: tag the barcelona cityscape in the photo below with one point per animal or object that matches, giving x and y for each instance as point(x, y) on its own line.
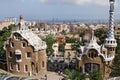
point(59, 40)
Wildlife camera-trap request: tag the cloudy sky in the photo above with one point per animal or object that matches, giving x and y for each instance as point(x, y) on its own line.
point(58, 9)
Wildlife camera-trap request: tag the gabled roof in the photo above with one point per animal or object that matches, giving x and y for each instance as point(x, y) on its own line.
point(26, 34)
point(32, 39)
point(93, 43)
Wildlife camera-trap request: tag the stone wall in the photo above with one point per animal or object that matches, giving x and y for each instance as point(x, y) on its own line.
point(3, 65)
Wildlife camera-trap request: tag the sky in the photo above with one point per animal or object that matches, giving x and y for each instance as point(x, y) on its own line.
point(58, 9)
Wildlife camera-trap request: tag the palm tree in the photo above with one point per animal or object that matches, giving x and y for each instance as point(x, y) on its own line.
point(77, 75)
point(74, 75)
point(95, 75)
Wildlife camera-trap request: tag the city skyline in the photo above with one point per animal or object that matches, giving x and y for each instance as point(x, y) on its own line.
point(57, 9)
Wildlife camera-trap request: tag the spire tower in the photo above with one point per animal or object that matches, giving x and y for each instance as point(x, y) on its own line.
point(111, 20)
point(110, 40)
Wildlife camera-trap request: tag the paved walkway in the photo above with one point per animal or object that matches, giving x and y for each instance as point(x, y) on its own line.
point(115, 78)
point(50, 76)
point(54, 76)
point(3, 71)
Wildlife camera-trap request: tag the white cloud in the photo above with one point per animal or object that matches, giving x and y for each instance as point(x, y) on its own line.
point(101, 2)
point(78, 2)
point(45, 1)
point(85, 2)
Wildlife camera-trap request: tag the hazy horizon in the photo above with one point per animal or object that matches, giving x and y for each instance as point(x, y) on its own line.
point(58, 9)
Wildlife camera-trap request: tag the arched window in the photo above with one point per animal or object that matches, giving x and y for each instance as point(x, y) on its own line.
point(114, 42)
point(43, 64)
point(10, 54)
point(12, 44)
point(69, 54)
point(103, 52)
point(113, 49)
point(25, 68)
point(17, 36)
point(11, 66)
point(95, 55)
point(18, 67)
point(24, 45)
point(111, 42)
point(29, 55)
point(89, 55)
point(92, 67)
point(92, 53)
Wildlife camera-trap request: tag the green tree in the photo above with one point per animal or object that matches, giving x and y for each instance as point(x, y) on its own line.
point(115, 72)
point(62, 47)
point(50, 40)
point(4, 29)
point(9, 28)
point(81, 33)
point(3, 38)
point(74, 74)
point(118, 47)
point(2, 52)
point(12, 26)
point(101, 34)
point(5, 33)
point(70, 40)
point(116, 67)
point(95, 75)
point(76, 45)
point(63, 32)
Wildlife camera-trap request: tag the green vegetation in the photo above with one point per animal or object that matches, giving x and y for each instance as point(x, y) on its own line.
point(95, 76)
point(50, 40)
point(76, 75)
point(115, 68)
point(4, 34)
point(101, 34)
point(81, 33)
point(118, 47)
point(116, 63)
point(63, 32)
point(70, 40)
point(62, 47)
point(76, 45)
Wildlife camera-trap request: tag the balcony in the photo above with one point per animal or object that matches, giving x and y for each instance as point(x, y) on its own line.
point(18, 55)
point(18, 58)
